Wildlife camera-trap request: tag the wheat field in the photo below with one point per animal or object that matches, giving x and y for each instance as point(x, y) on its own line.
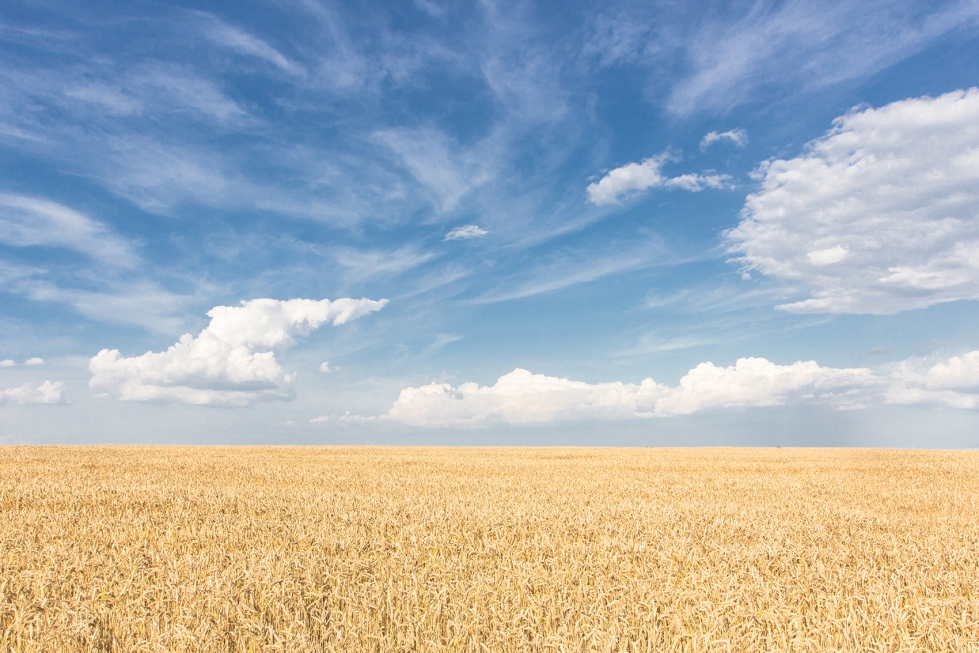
point(496, 549)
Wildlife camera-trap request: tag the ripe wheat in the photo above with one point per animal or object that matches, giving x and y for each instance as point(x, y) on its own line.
point(419, 549)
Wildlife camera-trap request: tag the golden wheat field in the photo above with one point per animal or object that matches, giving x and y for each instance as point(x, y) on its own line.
point(496, 549)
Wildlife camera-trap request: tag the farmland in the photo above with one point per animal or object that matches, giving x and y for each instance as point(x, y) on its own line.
point(498, 549)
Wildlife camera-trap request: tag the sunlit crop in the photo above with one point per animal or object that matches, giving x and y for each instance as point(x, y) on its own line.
point(423, 549)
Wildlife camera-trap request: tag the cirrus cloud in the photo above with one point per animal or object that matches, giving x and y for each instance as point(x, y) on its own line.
point(31, 221)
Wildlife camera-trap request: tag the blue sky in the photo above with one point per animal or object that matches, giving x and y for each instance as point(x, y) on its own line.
point(464, 223)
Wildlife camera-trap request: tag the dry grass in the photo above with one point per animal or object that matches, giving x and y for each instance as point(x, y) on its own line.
point(379, 549)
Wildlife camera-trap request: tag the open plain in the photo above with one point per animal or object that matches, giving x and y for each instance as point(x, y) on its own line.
point(487, 549)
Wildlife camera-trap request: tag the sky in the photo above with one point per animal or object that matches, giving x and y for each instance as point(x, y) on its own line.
point(423, 222)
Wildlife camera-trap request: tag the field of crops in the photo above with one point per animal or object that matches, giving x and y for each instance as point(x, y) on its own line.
point(426, 549)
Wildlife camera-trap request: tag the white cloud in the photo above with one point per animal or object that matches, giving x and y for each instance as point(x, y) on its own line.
point(347, 418)
point(231, 362)
point(30, 221)
point(34, 361)
point(759, 382)
point(880, 215)
point(468, 231)
point(828, 256)
point(634, 178)
point(325, 367)
point(956, 372)
point(737, 137)
point(7, 363)
point(46, 393)
point(698, 182)
point(954, 382)
point(521, 397)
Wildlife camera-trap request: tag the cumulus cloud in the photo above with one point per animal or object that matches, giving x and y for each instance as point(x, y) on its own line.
point(759, 382)
point(954, 382)
point(231, 362)
point(325, 367)
point(347, 418)
point(634, 178)
point(879, 216)
point(522, 397)
point(30, 221)
point(468, 231)
point(46, 393)
point(737, 137)
point(30, 362)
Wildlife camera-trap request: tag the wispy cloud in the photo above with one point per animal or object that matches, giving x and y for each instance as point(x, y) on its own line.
point(31, 221)
point(364, 264)
point(149, 88)
point(246, 44)
point(651, 344)
point(139, 302)
point(802, 44)
point(568, 268)
point(114, 285)
point(448, 171)
point(733, 54)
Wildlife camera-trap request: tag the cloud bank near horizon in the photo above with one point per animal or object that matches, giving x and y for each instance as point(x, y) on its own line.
point(521, 397)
